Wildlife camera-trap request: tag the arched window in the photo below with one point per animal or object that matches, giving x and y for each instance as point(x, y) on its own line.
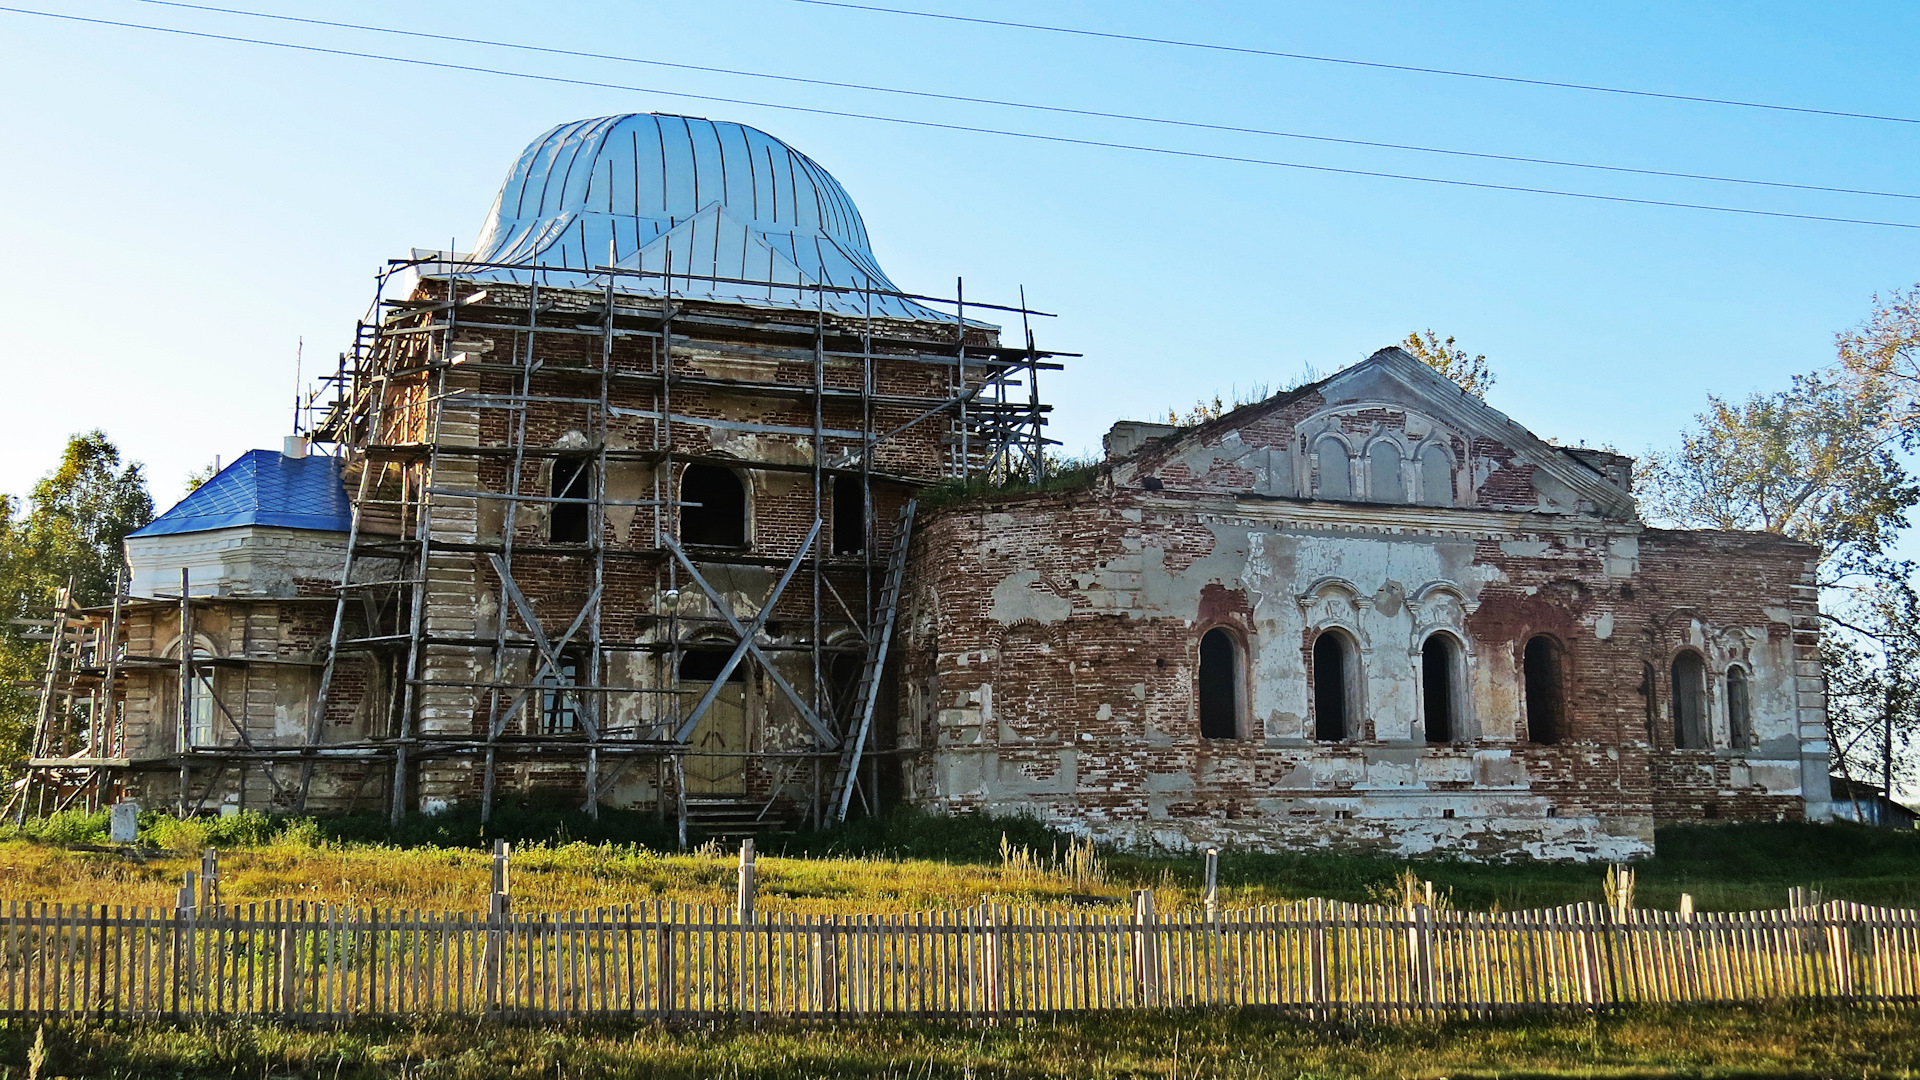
point(849, 516)
point(1333, 674)
point(573, 483)
point(1383, 473)
point(1439, 687)
point(1544, 672)
point(1336, 472)
point(1219, 689)
point(720, 518)
point(1739, 709)
point(1690, 702)
point(1436, 476)
point(202, 709)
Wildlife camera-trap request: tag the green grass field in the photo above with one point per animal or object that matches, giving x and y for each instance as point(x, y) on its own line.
point(1761, 1041)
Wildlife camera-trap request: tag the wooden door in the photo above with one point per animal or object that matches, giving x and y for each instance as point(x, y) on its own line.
point(721, 731)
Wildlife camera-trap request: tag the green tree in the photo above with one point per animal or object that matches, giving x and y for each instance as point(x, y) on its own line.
point(1882, 355)
point(1870, 652)
point(72, 530)
point(1442, 355)
point(202, 474)
point(1818, 461)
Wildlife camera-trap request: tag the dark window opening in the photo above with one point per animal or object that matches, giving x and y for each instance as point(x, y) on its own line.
point(1330, 694)
point(703, 665)
point(849, 516)
point(1690, 702)
point(1439, 662)
point(560, 710)
point(1219, 685)
point(1739, 709)
point(572, 481)
point(720, 518)
point(1545, 680)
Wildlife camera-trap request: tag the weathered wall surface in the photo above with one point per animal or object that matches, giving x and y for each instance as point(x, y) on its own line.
point(1052, 643)
point(742, 399)
point(266, 687)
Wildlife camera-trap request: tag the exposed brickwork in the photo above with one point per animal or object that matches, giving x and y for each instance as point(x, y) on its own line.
point(1052, 647)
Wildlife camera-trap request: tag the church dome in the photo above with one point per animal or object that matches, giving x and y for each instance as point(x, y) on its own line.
point(717, 203)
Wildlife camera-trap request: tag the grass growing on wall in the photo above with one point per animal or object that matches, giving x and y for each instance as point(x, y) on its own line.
point(901, 862)
point(1756, 1041)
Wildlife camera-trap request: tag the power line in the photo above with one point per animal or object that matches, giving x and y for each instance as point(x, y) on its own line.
point(1247, 51)
point(936, 125)
point(1057, 109)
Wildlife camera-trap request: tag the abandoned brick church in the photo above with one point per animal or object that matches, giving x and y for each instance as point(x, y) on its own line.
point(625, 508)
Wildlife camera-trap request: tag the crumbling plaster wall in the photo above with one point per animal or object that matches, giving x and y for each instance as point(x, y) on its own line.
point(1052, 643)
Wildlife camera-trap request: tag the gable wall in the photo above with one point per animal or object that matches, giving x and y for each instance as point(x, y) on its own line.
point(1051, 652)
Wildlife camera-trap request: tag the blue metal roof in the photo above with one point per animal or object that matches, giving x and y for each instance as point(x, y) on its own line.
point(264, 487)
point(709, 199)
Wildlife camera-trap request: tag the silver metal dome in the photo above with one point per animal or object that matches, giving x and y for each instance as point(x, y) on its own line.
point(717, 200)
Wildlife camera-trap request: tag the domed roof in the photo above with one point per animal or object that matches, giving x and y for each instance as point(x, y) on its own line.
point(711, 199)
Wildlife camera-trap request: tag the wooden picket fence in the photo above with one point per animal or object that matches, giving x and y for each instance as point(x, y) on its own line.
point(1317, 958)
point(666, 960)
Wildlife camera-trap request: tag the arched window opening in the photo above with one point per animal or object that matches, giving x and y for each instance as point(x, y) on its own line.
point(1545, 676)
point(720, 518)
point(202, 710)
point(1219, 685)
point(1383, 469)
point(1333, 665)
point(849, 516)
point(1439, 686)
point(1690, 702)
point(1336, 472)
point(572, 483)
point(1436, 477)
point(1739, 709)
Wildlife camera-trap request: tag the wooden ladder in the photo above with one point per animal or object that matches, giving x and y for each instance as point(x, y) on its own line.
point(868, 689)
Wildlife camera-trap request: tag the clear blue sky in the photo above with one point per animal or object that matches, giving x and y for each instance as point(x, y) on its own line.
point(180, 212)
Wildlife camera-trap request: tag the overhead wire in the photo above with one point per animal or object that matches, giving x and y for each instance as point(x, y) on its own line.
point(1414, 68)
point(974, 129)
point(1030, 106)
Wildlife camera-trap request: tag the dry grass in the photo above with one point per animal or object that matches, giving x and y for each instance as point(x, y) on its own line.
point(545, 878)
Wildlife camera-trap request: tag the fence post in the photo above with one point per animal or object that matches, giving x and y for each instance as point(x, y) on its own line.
point(1317, 947)
point(1146, 971)
point(499, 906)
point(990, 928)
point(1839, 950)
point(1421, 938)
point(743, 909)
point(210, 878)
point(1213, 885)
point(1694, 990)
point(184, 942)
